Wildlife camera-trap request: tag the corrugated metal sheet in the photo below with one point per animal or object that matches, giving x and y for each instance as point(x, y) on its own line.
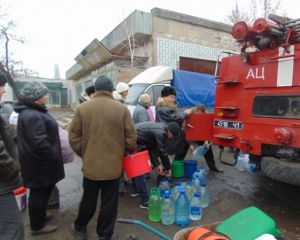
point(139, 23)
point(90, 57)
point(75, 72)
point(93, 55)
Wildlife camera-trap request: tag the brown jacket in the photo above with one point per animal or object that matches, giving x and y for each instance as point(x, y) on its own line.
point(10, 178)
point(100, 132)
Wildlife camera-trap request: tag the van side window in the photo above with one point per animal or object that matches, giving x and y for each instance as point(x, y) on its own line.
point(277, 106)
point(150, 92)
point(157, 92)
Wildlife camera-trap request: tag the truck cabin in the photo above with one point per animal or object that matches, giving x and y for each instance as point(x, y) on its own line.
point(257, 93)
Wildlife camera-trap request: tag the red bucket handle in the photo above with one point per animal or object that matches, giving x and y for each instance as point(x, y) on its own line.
point(128, 155)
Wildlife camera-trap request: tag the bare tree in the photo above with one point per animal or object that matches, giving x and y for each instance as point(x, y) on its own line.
point(133, 50)
point(236, 14)
point(257, 9)
point(7, 33)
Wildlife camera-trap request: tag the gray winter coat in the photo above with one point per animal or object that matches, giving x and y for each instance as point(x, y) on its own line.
point(140, 114)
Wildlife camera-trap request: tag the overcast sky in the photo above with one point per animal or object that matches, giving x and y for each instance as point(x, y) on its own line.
point(58, 30)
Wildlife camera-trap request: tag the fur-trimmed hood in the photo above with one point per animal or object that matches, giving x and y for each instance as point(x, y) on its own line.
point(162, 102)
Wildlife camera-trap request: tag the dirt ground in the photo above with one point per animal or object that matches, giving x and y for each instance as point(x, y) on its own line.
point(230, 192)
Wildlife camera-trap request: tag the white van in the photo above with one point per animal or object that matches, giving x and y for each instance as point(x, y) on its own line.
point(151, 81)
point(191, 88)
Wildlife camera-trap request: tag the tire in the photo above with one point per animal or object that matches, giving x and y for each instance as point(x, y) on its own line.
point(280, 170)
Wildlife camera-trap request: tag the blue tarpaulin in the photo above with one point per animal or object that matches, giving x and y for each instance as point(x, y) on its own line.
point(193, 88)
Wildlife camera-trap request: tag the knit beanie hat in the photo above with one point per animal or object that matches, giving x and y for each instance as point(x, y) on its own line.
point(167, 91)
point(104, 83)
point(34, 90)
point(145, 98)
point(89, 90)
point(3, 78)
point(174, 128)
point(122, 87)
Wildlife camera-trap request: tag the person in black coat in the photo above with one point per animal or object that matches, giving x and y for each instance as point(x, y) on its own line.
point(167, 111)
point(39, 153)
point(87, 95)
point(152, 137)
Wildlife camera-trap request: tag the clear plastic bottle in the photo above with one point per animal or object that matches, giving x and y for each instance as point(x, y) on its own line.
point(203, 174)
point(182, 209)
point(163, 186)
point(249, 167)
point(154, 205)
point(197, 184)
point(240, 164)
point(189, 190)
point(167, 210)
point(196, 173)
point(175, 191)
point(183, 182)
point(199, 151)
point(205, 195)
point(196, 207)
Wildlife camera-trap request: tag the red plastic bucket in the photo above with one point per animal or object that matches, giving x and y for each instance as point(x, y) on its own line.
point(137, 164)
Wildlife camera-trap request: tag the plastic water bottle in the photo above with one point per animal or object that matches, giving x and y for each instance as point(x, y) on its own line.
point(203, 174)
point(196, 207)
point(182, 209)
point(204, 195)
point(199, 151)
point(249, 167)
point(197, 184)
point(183, 182)
point(196, 173)
point(163, 186)
point(240, 165)
point(154, 205)
point(167, 210)
point(189, 190)
point(175, 191)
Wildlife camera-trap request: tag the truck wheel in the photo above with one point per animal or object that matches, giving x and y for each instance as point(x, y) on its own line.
point(281, 170)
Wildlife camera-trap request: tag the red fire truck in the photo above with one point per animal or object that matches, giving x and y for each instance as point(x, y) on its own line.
point(257, 104)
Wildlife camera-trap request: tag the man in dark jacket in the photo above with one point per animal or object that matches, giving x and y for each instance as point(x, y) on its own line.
point(87, 95)
point(11, 224)
point(39, 153)
point(166, 112)
point(152, 137)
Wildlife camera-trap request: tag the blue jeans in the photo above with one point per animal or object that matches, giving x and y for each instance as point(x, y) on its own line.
point(11, 223)
point(139, 186)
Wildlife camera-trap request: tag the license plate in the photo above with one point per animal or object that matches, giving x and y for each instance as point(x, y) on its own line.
point(228, 124)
